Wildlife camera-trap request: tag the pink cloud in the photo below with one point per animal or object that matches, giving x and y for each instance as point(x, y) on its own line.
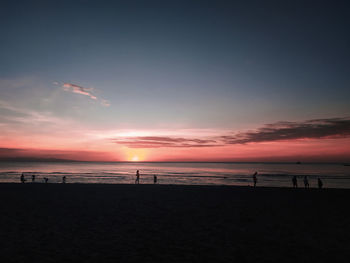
point(163, 141)
point(284, 131)
point(83, 91)
point(331, 128)
point(79, 90)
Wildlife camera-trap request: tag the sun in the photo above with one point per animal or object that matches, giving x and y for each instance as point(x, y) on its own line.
point(135, 158)
point(135, 155)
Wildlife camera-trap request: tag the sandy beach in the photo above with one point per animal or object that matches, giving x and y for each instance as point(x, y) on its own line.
point(165, 223)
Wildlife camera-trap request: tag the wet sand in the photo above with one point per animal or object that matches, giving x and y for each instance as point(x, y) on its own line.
point(164, 223)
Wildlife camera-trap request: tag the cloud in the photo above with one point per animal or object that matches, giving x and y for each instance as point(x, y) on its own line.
point(160, 142)
point(280, 131)
point(83, 91)
point(311, 129)
point(28, 154)
point(105, 103)
point(79, 90)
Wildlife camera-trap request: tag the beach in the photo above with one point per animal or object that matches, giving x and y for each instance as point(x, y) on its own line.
point(172, 223)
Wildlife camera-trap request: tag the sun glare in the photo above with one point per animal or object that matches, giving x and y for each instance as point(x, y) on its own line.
point(135, 155)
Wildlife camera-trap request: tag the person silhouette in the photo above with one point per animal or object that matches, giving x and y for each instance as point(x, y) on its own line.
point(154, 179)
point(33, 178)
point(22, 178)
point(295, 182)
point(320, 183)
point(137, 180)
point(63, 179)
point(306, 182)
point(255, 180)
point(46, 180)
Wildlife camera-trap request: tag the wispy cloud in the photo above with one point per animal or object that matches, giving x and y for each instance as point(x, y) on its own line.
point(311, 129)
point(159, 142)
point(83, 91)
point(280, 131)
point(24, 115)
point(79, 90)
point(105, 103)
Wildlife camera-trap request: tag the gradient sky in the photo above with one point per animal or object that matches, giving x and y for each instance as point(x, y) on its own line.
point(175, 80)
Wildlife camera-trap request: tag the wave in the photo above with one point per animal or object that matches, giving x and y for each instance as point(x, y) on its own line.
point(179, 175)
point(310, 176)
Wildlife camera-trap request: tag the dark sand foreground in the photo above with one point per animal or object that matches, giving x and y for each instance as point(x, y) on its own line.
point(160, 223)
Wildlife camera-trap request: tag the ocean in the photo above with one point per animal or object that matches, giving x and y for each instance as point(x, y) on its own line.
point(269, 174)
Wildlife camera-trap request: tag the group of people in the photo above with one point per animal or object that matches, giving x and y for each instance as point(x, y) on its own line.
point(46, 180)
point(306, 182)
point(294, 181)
point(137, 180)
point(155, 180)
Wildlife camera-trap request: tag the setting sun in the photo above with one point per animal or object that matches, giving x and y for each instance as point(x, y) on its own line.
point(135, 155)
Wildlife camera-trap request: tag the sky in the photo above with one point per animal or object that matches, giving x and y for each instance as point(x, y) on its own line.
point(175, 80)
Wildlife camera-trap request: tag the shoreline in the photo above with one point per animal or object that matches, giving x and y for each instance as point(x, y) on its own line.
point(184, 185)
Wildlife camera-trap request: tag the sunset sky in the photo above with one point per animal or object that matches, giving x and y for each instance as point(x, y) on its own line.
point(175, 80)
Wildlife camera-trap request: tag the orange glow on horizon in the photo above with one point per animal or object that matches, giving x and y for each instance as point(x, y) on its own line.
point(87, 146)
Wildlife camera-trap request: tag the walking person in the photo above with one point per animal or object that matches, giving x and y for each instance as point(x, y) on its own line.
point(306, 182)
point(154, 179)
point(33, 178)
point(295, 182)
point(255, 180)
point(320, 183)
point(137, 180)
point(22, 178)
point(63, 179)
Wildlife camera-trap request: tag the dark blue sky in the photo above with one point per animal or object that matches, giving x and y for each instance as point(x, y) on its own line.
point(201, 63)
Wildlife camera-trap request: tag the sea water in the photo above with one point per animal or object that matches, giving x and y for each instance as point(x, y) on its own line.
point(269, 174)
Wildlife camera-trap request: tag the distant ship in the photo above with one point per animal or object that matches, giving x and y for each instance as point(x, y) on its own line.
point(298, 162)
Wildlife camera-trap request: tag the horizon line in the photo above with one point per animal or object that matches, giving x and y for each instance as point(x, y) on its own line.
point(251, 162)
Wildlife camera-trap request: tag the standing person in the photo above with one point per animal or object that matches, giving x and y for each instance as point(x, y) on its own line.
point(154, 179)
point(306, 182)
point(46, 180)
point(255, 180)
point(295, 182)
point(320, 183)
point(22, 178)
point(137, 180)
point(63, 179)
point(33, 178)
